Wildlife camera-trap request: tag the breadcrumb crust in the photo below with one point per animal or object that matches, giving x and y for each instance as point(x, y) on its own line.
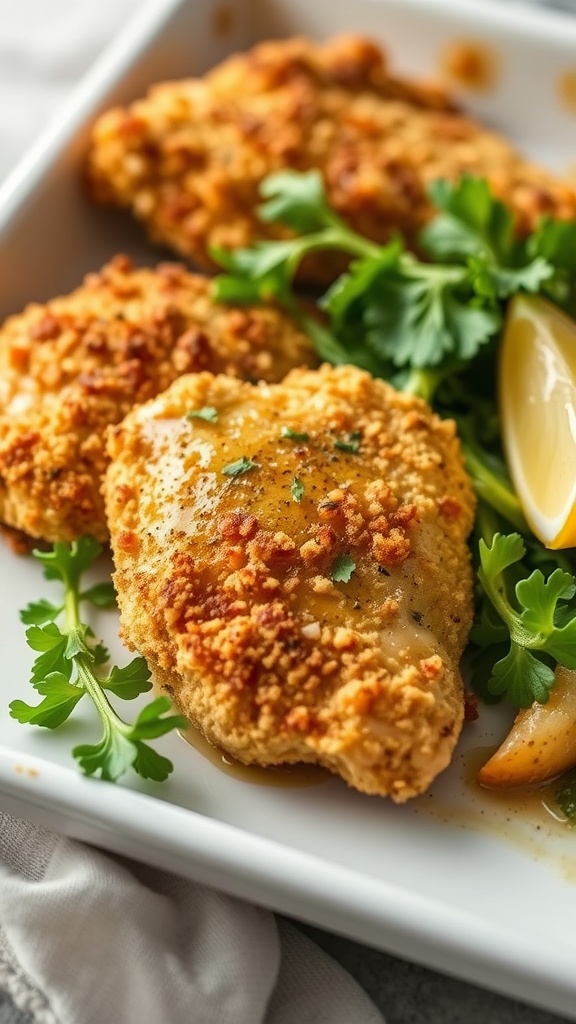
point(225, 583)
point(188, 158)
point(78, 363)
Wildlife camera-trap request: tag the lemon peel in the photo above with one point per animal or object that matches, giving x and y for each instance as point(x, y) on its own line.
point(537, 385)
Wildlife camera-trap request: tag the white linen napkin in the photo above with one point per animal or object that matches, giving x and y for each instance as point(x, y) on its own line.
point(87, 938)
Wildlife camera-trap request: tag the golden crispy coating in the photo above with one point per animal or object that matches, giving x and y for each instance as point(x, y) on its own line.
point(228, 584)
point(71, 367)
point(189, 157)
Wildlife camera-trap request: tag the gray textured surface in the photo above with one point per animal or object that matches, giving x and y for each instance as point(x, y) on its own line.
point(10, 1014)
point(408, 994)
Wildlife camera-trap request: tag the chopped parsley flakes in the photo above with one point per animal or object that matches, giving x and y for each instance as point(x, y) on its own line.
point(293, 435)
point(351, 445)
point(342, 569)
point(297, 489)
point(239, 467)
point(208, 413)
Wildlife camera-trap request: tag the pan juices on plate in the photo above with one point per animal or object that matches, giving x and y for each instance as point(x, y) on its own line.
point(291, 560)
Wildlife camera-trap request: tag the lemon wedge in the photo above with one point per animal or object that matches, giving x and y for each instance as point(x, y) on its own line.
point(538, 411)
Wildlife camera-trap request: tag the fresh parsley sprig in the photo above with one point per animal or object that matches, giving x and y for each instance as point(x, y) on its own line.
point(533, 618)
point(390, 310)
point(70, 664)
point(432, 329)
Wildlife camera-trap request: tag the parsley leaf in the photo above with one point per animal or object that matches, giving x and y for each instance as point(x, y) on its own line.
point(297, 199)
point(389, 309)
point(102, 595)
point(565, 796)
point(65, 670)
point(470, 222)
point(38, 612)
point(207, 413)
point(287, 434)
point(431, 328)
point(130, 681)
point(60, 699)
point(352, 445)
point(342, 569)
point(532, 610)
point(239, 467)
point(297, 489)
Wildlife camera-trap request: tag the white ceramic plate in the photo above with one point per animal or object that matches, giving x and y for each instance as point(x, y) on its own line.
point(483, 891)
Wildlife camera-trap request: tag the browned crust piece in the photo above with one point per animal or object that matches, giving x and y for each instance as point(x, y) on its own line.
point(73, 366)
point(188, 158)
point(225, 583)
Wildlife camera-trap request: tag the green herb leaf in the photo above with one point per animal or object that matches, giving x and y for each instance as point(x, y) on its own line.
point(150, 764)
point(352, 445)
point(297, 200)
point(342, 569)
point(67, 562)
point(60, 699)
point(555, 242)
point(472, 222)
point(521, 678)
point(287, 434)
point(297, 489)
point(491, 281)
point(38, 612)
point(66, 669)
point(534, 612)
point(102, 595)
point(239, 467)
point(207, 413)
point(566, 796)
point(129, 682)
point(110, 758)
point(154, 720)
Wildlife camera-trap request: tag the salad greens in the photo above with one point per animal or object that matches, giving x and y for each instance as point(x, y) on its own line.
point(70, 665)
point(431, 327)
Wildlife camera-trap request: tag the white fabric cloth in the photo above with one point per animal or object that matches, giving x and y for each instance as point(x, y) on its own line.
point(86, 938)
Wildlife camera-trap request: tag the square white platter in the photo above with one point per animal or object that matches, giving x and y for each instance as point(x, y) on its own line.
point(482, 890)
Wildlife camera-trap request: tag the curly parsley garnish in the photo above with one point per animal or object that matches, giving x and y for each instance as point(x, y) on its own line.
point(70, 664)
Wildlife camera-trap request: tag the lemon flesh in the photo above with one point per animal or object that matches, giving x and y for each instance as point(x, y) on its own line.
point(538, 411)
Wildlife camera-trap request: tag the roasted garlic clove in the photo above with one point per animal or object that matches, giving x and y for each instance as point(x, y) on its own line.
point(541, 743)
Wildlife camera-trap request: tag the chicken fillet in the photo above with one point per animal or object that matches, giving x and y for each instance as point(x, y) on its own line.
point(188, 158)
point(73, 366)
point(296, 570)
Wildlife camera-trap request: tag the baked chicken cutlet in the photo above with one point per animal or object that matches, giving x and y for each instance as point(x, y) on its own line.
point(73, 366)
point(296, 570)
point(188, 158)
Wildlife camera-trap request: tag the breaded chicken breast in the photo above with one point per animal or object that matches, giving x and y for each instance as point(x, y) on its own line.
point(296, 571)
point(189, 157)
point(73, 366)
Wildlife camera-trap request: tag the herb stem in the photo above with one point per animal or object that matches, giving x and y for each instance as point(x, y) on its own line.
point(85, 674)
point(423, 382)
point(492, 488)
